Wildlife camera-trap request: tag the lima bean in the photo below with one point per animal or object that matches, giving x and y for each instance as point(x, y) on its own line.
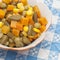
point(26, 40)
point(7, 43)
point(4, 39)
point(18, 42)
point(10, 35)
point(10, 40)
point(3, 5)
point(1, 35)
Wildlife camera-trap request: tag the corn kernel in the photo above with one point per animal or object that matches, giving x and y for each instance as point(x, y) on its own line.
point(29, 12)
point(24, 33)
point(25, 28)
point(30, 8)
point(36, 30)
point(19, 5)
point(1, 24)
point(21, 9)
point(15, 10)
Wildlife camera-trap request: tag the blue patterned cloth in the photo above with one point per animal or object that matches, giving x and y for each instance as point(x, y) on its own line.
point(49, 49)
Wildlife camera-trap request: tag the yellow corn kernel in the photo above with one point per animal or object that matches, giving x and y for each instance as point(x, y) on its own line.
point(30, 8)
point(21, 9)
point(25, 28)
point(15, 10)
point(29, 12)
point(1, 24)
point(24, 33)
point(19, 5)
point(36, 30)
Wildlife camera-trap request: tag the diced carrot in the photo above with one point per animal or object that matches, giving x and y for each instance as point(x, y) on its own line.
point(43, 21)
point(42, 28)
point(13, 24)
point(7, 1)
point(31, 39)
point(24, 2)
point(15, 1)
point(36, 36)
point(30, 20)
point(10, 7)
point(2, 13)
point(36, 9)
point(25, 21)
point(19, 26)
point(15, 32)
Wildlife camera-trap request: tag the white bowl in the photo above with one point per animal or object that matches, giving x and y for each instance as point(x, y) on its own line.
point(44, 12)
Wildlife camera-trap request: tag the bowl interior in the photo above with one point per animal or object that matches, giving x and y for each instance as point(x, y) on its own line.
point(44, 12)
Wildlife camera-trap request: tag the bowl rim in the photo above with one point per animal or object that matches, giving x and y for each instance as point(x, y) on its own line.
point(27, 48)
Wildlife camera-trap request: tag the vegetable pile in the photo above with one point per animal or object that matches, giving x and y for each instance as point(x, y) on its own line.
point(20, 23)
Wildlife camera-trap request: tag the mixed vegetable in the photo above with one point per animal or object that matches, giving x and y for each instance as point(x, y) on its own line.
point(20, 23)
